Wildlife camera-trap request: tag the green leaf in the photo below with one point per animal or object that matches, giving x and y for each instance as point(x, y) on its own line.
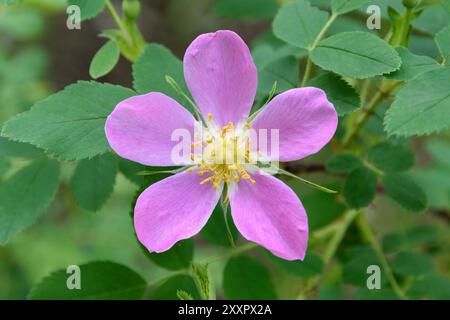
point(412, 65)
point(330, 291)
point(446, 4)
point(405, 191)
point(442, 40)
point(356, 54)
point(249, 9)
point(310, 267)
point(411, 264)
point(15, 149)
point(435, 179)
point(131, 171)
point(359, 187)
point(298, 23)
point(99, 280)
point(245, 278)
point(93, 181)
point(168, 290)
point(435, 182)
point(177, 258)
point(422, 235)
point(343, 163)
point(4, 166)
point(418, 236)
point(89, 8)
point(432, 19)
point(131, 53)
point(201, 278)
point(355, 270)
point(267, 53)
point(390, 158)
point(421, 107)
point(431, 287)
point(344, 98)
point(379, 294)
point(69, 124)
point(440, 151)
point(25, 196)
point(104, 60)
point(283, 70)
point(151, 68)
point(183, 295)
point(344, 6)
point(215, 231)
point(323, 207)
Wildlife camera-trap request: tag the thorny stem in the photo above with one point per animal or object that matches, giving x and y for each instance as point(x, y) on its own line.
point(319, 37)
point(367, 112)
point(367, 233)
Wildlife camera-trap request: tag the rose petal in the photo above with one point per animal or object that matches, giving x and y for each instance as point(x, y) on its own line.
point(140, 128)
point(221, 76)
point(173, 209)
point(270, 214)
point(306, 121)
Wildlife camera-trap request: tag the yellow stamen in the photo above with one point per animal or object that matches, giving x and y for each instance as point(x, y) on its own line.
point(219, 145)
point(206, 180)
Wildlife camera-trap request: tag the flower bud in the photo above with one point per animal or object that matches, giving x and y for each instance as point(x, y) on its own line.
point(131, 8)
point(410, 3)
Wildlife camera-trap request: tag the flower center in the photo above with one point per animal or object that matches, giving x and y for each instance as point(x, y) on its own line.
point(226, 153)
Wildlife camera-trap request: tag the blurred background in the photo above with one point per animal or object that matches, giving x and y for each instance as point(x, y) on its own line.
point(39, 56)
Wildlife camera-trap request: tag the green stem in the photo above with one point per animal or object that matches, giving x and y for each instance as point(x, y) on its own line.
point(330, 251)
point(112, 11)
point(323, 31)
point(367, 233)
point(364, 90)
point(338, 236)
point(373, 168)
point(400, 36)
point(307, 73)
point(308, 68)
point(367, 112)
point(324, 232)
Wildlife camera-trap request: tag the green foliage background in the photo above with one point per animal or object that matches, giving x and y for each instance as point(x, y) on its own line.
point(66, 199)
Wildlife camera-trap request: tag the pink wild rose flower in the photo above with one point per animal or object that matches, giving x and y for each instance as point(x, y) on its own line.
point(222, 78)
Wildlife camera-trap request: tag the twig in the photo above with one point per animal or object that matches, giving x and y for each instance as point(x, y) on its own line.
point(367, 233)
